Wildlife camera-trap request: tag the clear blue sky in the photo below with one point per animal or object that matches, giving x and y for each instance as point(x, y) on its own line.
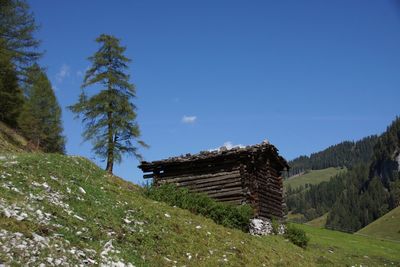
point(302, 74)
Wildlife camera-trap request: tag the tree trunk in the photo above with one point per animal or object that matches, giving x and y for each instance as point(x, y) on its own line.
point(110, 145)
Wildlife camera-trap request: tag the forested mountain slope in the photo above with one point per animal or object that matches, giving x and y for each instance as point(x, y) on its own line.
point(345, 154)
point(359, 196)
point(375, 188)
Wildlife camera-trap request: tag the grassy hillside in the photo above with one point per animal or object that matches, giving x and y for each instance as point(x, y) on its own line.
point(60, 210)
point(10, 140)
point(333, 248)
point(312, 177)
point(76, 212)
point(319, 222)
point(65, 209)
point(387, 226)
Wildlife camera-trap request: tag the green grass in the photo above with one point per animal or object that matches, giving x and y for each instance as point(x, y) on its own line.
point(312, 177)
point(386, 227)
point(295, 217)
point(333, 248)
point(143, 231)
point(319, 222)
point(10, 141)
point(158, 234)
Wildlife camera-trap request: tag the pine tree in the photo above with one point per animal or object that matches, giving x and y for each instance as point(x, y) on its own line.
point(11, 96)
point(17, 26)
point(40, 119)
point(109, 115)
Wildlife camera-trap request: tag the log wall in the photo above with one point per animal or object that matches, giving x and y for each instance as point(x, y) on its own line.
point(223, 183)
point(257, 183)
point(270, 192)
point(242, 175)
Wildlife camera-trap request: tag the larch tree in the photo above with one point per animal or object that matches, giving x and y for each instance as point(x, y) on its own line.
point(18, 51)
point(17, 28)
point(40, 118)
point(11, 95)
point(109, 115)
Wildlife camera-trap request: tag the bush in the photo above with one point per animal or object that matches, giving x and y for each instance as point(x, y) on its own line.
point(275, 226)
point(296, 236)
point(224, 214)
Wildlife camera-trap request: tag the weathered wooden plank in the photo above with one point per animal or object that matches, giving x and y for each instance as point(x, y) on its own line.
point(273, 192)
point(273, 197)
point(185, 178)
point(209, 165)
point(271, 209)
point(266, 188)
point(199, 183)
point(232, 193)
point(217, 182)
point(217, 191)
point(271, 202)
point(212, 180)
point(217, 188)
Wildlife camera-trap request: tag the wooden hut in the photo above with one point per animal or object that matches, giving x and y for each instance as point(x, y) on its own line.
point(239, 175)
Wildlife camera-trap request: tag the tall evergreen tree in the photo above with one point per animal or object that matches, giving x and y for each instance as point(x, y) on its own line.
point(11, 96)
point(109, 115)
point(40, 119)
point(17, 27)
point(18, 51)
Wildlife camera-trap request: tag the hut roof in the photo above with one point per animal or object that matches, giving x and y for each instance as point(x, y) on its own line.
point(223, 152)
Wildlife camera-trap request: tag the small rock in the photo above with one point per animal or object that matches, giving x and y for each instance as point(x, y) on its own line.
point(79, 218)
point(39, 238)
point(7, 213)
point(82, 190)
point(45, 185)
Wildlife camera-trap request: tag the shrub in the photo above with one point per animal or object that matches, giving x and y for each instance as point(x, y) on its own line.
point(296, 236)
point(224, 214)
point(275, 226)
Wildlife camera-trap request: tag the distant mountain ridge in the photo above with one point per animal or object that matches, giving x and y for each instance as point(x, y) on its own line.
point(345, 154)
point(368, 190)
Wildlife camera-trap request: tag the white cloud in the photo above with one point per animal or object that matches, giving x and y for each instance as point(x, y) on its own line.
point(228, 145)
point(63, 73)
point(189, 119)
